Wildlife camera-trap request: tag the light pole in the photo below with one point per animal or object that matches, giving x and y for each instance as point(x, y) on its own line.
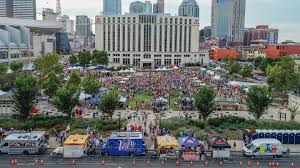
point(119, 121)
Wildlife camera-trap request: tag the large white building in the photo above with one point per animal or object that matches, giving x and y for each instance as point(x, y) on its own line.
point(148, 40)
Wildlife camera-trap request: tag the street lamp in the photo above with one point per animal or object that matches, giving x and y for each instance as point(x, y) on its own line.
point(119, 115)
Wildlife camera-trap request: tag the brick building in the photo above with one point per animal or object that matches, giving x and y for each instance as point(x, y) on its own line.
point(219, 53)
point(262, 34)
point(275, 51)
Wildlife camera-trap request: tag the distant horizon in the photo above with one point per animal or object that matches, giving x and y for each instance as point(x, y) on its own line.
point(258, 12)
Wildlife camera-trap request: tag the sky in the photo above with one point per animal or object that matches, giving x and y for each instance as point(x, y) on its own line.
point(281, 14)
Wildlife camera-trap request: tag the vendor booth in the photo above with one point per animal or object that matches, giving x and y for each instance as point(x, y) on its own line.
point(219, 147)
point(165, 147)
point(75, 146)
point(190, 148)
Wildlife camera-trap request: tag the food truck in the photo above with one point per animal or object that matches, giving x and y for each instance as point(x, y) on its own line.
point(166, 147)
point(263, 147)
point(125, 144)
point(75, 146)
point(24, 143)
point(219, 147)
point(190, 148)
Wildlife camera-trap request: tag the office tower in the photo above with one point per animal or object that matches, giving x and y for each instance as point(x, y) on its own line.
point(68, 24)
point(83, 25)
point(205, 34)
point(189, 8)
point(112, 7)
point(262, 34)
point(140, 7)
point(22, 9)
point(159, 7)
point(149, 41)
point(58, 8)
point(228, 20)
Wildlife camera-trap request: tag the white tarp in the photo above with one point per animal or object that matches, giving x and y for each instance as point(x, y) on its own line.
point(221, 154)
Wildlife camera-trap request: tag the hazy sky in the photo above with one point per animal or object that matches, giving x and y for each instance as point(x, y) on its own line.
point(282, 14)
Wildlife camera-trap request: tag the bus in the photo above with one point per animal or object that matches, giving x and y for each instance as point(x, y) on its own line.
point(24, 143)
point(125, 144)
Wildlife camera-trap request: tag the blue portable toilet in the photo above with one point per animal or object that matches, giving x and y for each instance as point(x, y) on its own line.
point(274, 134)
point(297, 138)
point(285, 139)
point(268, 134)
point(291, 137)
point(261, 134)
point(279, 136)
point(255, 136)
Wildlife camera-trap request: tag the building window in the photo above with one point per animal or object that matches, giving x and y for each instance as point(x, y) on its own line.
point(126, 61)
point(147, 56)
point(177, 62)
point(168, 56)
point(157, 56)
point(136, 62)
point(168, 62)
point(116, 60)
point(157, 63)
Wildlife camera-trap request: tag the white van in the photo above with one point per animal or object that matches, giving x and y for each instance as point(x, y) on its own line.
point(263, 147)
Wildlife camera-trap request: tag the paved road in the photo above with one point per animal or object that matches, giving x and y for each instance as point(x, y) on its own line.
point(140, 162)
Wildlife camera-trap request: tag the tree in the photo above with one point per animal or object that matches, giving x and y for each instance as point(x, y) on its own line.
point(66, 98)
point(282, 75)
point(74, 78)
point(246, 71)
point(3, 69)
point(205, 101)
point(51, 84)
point(100, 57)
point(16, 66)
point(73, 59)
point(109, 102)
point(263, 64)
point(293, 109)
point(90, 85)
point(47, 63)
point(233, 66)
point(84, 58)
point(257, 100)
point(25, 95)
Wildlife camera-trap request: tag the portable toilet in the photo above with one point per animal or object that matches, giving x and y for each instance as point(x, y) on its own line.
point(255, 136)
point(268, 134)
point(261, 134)
point(292, 137)
point(274, 134)
point(285, 137)
point(279, 136)
point(297, 138)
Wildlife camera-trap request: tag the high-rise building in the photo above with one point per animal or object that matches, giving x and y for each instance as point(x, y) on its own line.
point(228, 20)
point(205, 34)
point(112, 7)
point(68, 24)
point(22, 9)
point(159, 7)
point(189, 8)
point(83, 25)
point(140, 7)
point(58, 8)
point(149, 40)
point(262, 34)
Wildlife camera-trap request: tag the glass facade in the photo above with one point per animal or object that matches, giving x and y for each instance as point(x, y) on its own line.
point(112, 7)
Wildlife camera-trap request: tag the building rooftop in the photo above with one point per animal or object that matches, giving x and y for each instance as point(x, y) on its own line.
point(25, 136)
point(34, 25)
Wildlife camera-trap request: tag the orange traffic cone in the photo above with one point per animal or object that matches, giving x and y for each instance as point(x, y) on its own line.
point(133, 163)
point(292, 165)
point(162, 163)
point(241, 163)
point(249, 163)
point(103, 162)
point(221, 164)
point(148, 162)
point(191, 163)
point(73, 162)
point(206, 163)
point(177, 163)
point(257, 164)
point(42, 162)
point(12, 162)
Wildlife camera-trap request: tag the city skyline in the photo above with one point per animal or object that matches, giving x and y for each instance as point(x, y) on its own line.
point(257, 12)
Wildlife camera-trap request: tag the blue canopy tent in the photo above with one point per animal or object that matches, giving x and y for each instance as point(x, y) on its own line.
point(189, 142)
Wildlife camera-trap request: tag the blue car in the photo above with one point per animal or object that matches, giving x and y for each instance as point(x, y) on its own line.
point(125, 144)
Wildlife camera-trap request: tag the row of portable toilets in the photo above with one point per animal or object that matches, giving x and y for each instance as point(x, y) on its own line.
point(285, 137)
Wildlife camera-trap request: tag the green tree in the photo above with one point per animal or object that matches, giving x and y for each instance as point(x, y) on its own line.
point(51, 84)
point(100, 57)
point(246, 71)
point(257, 100)
point(90, 85)
point(16, 66)
point(47, 63)
point(205, 101)
point(73, 59)
point(109, 102)
point(3, 69)
point(294, 110)
point(233, 67)
point(25, 95)
point(74, 78)
point(66, 98)
point(282, 75)
point(263, 64)
point(84, 58)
